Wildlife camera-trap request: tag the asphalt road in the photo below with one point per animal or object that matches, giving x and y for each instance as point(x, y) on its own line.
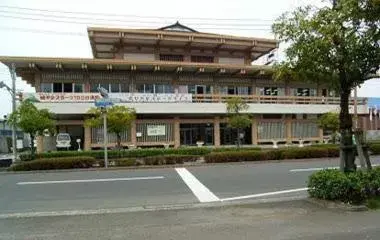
point(54, 192)
point(296, 220)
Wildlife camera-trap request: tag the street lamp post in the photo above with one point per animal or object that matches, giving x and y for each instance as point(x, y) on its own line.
point(105, 137)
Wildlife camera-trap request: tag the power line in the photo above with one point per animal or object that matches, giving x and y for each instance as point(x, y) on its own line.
point(134, 16)
point(102, 24)
point(133, 21)
point(31, 30)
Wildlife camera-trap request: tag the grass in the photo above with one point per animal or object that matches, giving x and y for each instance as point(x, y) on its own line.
point(373, 203)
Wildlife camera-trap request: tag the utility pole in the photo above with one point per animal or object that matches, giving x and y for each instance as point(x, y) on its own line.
point(105, 138)
point(356, 107)
point(12, 71)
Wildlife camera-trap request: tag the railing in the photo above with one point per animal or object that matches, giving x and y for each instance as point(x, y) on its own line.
point(217, 98)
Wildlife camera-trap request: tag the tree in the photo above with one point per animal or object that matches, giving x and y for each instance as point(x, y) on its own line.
point(33, 121)
point(237, 119)
point(330, 122)
point(119, 119)
point(336, 45)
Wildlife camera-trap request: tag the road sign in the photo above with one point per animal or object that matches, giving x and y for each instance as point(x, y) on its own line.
point(103, 102)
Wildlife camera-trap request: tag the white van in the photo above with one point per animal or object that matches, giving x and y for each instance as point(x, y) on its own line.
point(63, 140)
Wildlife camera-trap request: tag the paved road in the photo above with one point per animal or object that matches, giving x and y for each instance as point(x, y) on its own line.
point(124, 189)
point(294, 220)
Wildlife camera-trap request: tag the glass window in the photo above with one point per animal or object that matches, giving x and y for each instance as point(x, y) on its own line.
point(270, 91)
point(140, 88)
point(191, 89)
point(160, 88)
point(124, 87)
point(244, 90)
point(94, 87)
point(223, 90)
point(149, 88)
point(208, 89)
point(68, 87)
point(303, 92)
point(231, 90)
point(57, 87)
point(115, 87)
point(46, 87)
point(78, 87)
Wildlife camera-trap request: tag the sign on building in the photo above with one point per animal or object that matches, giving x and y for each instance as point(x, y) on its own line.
point(156, 130)
point(151, 97)
point(61, 97)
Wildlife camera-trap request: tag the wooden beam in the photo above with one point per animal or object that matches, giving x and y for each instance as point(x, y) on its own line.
point(35, 67)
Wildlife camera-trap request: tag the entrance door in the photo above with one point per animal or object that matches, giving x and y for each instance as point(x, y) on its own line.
point(200, 89)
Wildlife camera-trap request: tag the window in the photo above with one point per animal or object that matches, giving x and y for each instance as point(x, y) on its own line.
point(46, 87)
point(305, 92)
point(231, 90)
point(170, 57)
point(243, 90)
point(202, 59)
point(162, 88)
point(272, 116)
point(106, 86)
point(149, 88)
point(115, 87)
point(124, 87)
point(94, 87)
point(78, 87)
point(57, 87)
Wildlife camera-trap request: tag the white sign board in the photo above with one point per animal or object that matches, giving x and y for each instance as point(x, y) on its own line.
point(156, 130)
point(152, 97)
point(62, 97)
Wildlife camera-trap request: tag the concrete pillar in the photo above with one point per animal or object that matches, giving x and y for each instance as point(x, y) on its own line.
point(288, 126)
point(40, 144)
point(133, 133)
point(217, 132)
point(87, 139)
point(364, 123)
point(177, 134)
point(320, 135)
point(254, 131)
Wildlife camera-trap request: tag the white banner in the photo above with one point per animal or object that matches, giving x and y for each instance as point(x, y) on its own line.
point(156, 130)
point(61, 97)
point(151, 97)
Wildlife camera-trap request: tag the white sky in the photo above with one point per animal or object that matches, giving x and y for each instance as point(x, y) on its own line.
point(15, 41)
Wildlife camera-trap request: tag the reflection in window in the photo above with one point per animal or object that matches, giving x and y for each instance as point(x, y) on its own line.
point(94, 87)
point(115, 87)
point(57, 87)
point(149, 88)
point(124, 87)
point(78, 87)
point(232, 90)
point(46, 87)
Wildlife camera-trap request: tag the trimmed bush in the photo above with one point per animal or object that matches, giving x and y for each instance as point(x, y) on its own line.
point(374, 148)
point(56, 163)
point(169, 159)
point(128, 162)
point(352, 188)
point(235, 149)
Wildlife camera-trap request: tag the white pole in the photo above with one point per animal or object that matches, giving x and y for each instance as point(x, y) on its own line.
point(12, 71)
point(105, 137)
point(356, 107)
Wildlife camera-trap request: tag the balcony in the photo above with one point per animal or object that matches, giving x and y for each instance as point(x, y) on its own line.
point(184, 98)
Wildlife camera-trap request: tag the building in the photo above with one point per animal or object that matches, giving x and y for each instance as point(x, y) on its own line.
point(177, 79)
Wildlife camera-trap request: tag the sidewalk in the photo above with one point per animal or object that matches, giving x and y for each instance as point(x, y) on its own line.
point(281, 220)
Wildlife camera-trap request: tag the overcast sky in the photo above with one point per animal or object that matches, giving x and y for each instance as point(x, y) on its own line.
point(22, 34)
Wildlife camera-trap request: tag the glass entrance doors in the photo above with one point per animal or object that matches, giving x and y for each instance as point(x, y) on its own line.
point(193, 133)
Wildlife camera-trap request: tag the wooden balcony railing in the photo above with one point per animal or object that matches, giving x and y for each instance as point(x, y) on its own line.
point(217, 98)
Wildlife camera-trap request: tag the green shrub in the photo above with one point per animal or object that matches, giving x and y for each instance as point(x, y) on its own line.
point(242, 156)
point(353, 187)
point(169, 159)
point(374, 148)
point(126, 162)
point(57, 163)
point(235, 149)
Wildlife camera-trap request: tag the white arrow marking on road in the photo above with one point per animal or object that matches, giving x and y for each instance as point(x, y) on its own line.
point(200, 191)
point(92, 180)
point(264, 194)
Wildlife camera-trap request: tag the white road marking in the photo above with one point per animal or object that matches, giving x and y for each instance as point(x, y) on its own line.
point(92, 180)
point(320, 168)
point(200, 191)
point(264, 194)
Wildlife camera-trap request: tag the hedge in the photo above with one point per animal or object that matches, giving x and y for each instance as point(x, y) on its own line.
point(59, 163)
point(374, 148)
point(278, 154)
point(354, 188)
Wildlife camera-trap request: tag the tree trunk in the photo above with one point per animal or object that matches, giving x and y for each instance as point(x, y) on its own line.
point(118, 141)
point(32, 137)
point(238, 137)
point(347, 156)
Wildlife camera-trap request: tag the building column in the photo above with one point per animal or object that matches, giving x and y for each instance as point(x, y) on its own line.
point(133, 133)
point(254, 131)
point(364, 123)
point(87, 139)
point(217, 132)
point(288, 126)
point(40, 144)
point(177, 135)
point(320, 135)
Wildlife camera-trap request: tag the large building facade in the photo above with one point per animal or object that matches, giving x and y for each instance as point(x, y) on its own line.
point(177, 80)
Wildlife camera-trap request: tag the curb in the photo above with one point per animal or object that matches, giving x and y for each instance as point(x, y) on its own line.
point(191, 164)
point(337, 205)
